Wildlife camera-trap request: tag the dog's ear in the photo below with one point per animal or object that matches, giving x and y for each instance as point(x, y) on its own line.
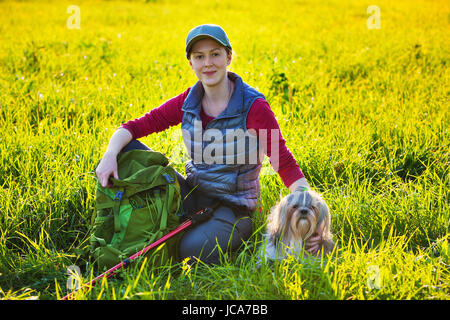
point(275, 222)
point(324, 215)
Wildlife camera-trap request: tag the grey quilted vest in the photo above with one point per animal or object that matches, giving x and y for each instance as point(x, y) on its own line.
point(225, 158)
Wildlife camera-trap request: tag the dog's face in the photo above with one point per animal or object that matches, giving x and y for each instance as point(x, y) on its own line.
point(292, 221)
point(297, 216)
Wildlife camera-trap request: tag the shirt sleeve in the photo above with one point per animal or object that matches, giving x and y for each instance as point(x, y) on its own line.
point(281, 159)
point(159, 119)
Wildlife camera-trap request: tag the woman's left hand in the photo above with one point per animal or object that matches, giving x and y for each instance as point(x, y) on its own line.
point(313, 244)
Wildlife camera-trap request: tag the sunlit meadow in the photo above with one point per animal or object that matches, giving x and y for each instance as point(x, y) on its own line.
point(362, 99)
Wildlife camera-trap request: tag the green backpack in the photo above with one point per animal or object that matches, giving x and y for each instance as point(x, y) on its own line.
point(139, 208)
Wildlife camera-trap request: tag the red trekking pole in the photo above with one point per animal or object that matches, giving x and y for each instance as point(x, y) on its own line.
point(200, 216)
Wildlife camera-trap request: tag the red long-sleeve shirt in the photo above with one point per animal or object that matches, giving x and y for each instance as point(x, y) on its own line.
point(259, 117)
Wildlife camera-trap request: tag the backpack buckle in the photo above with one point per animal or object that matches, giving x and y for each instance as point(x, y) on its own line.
point(118, 196)
point(169, 179)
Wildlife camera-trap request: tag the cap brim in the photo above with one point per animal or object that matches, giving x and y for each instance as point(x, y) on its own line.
point(200, 37)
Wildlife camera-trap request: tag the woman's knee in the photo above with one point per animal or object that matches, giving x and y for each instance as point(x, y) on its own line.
point(224, 230)
point(135, 145)
point(195, 243)
point(238, 226)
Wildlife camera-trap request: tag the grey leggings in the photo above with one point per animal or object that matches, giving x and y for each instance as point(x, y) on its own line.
point(227, 228)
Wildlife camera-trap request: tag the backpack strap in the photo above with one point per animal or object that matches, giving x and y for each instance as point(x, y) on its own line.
point(164, 207)
point(172, 191)
point(158, 203)
point(116, 209)
point(169, 198)
point(100, 241)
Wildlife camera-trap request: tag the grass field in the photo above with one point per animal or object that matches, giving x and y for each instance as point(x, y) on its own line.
point(364, 111)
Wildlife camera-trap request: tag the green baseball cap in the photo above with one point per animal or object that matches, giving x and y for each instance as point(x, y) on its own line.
point(206, 31)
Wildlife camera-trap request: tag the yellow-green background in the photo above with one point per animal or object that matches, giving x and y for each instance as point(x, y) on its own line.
point(364, 112)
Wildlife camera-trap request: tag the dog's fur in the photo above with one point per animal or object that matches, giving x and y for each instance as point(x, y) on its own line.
point(292, 221)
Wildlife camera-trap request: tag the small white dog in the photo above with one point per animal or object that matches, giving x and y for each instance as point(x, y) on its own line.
point(292, 221)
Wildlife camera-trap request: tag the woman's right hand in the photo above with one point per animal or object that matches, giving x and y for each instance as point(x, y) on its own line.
point(108, 165)
point(107, 168)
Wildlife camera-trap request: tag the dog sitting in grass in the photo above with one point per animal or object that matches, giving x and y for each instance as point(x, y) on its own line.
point(292, 222)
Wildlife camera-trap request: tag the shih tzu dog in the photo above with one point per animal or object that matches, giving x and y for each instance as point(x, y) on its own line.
point(292, 221)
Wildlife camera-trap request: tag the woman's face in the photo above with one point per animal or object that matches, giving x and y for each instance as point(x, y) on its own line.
point(209, 60)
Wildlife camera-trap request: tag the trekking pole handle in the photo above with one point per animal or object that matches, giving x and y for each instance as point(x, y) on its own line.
point(201, 216)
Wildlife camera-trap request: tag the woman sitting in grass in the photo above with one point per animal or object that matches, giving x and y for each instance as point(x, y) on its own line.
point(227, 127)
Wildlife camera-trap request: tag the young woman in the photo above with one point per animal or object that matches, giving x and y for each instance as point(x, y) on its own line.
point(219, 105)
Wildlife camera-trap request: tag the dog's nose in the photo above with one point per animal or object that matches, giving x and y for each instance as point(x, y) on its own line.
point(304, 212)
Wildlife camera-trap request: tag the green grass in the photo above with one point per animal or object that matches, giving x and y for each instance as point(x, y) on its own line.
point(365, 113)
